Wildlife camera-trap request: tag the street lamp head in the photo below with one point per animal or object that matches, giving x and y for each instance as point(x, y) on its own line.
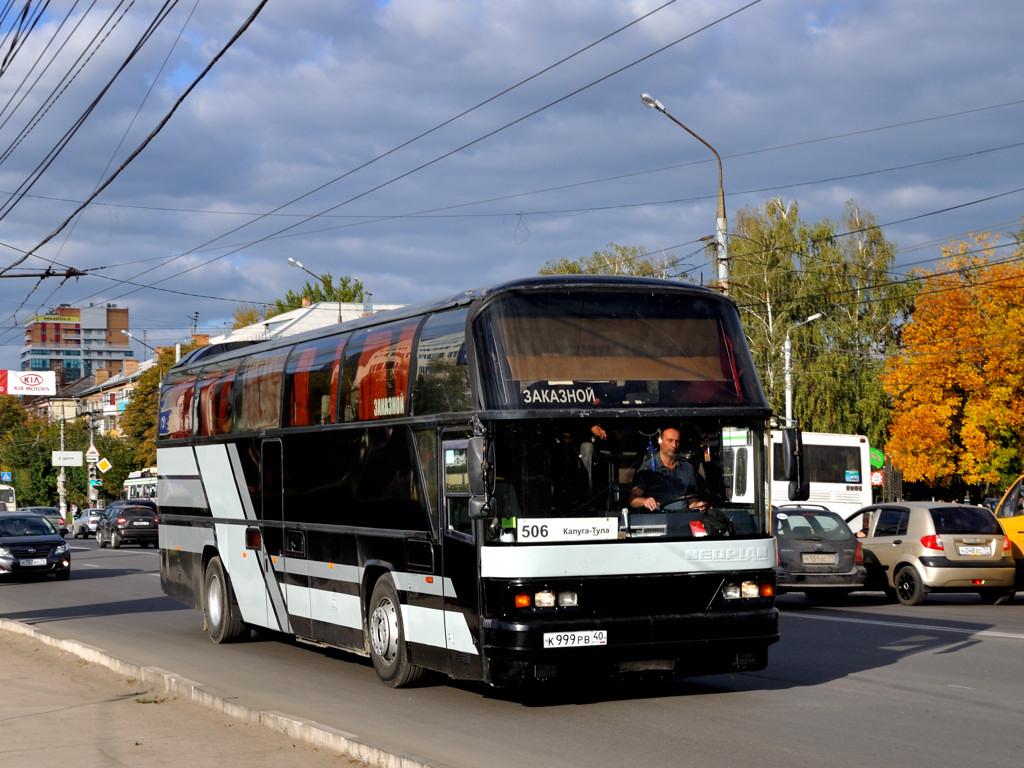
point(126, 333)
point(651, 102)
point(295, 263)
point(815, 316)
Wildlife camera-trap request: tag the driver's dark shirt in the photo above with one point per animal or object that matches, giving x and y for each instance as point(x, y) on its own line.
point(662, 483)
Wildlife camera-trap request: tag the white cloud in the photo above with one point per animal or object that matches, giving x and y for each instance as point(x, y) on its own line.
point(314, 93)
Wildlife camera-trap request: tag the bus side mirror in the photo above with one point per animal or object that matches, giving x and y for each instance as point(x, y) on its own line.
point(481, 471)
point(793, 464)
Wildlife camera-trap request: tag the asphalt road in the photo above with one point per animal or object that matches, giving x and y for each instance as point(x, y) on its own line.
point(867, 682)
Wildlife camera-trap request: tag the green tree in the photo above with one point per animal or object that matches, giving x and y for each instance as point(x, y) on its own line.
point(764, 282)
point(845, 275)
point(346, 289)
point(139, 420)
point(784, 270)
point(614, 260)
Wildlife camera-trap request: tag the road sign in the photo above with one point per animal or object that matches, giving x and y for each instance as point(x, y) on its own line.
point(66, 458)
point(103, 465)
point(5, 477)
point(92, 455)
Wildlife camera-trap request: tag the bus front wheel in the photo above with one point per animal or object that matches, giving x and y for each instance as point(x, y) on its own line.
point(222, 623)
point(387, 637)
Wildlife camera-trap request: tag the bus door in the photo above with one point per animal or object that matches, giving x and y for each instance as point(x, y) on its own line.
point(461, 581)
point(286, 544)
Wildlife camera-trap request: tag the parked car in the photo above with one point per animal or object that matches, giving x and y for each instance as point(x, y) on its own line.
point(1010, 513)
point(128, 524)
point(914, 548)
point(86, 522)
point(818, 553)
point(29, 544)
point(50, 513)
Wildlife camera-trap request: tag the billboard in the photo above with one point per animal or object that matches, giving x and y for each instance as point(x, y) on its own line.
point(28, 382)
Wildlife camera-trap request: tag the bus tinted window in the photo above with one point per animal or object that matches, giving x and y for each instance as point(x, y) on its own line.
point(602, 349)
point(376, 375)
point(311, 382)
point(442, 375)
point(257, 393)
point(176, 406)
point(214, 392)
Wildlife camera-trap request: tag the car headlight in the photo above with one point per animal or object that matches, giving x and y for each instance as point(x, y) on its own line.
point(63, 549)
point(5, 553)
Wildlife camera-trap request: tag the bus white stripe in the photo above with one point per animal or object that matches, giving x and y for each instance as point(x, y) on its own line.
point(623, 559)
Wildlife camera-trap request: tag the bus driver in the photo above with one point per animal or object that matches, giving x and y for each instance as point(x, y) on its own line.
point(663, 477)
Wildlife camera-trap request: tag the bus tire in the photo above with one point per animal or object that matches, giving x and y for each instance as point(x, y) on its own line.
point(222, 622)
point(385, 627)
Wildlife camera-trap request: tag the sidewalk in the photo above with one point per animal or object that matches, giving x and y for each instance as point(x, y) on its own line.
point(68, 704)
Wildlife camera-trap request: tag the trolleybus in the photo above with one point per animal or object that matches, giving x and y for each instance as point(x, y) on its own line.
point(140, 484)
point(444, 487)
point(8, 500)
point(837, 469)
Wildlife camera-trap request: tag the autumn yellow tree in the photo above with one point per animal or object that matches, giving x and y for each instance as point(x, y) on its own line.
point(957, 382)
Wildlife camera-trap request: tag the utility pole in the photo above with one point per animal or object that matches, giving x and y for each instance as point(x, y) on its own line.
point(62, 488)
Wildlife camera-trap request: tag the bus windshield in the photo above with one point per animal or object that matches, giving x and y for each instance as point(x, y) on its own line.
point(604, 349)
point(584, 472)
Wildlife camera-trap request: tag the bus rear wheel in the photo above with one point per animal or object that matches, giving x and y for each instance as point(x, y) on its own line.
point(387, 637)
point(222, 621)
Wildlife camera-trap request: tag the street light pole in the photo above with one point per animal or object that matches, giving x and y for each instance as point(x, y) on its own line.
point(297, 263)
point(155, 351)
point(721, 226)
point(787, 363)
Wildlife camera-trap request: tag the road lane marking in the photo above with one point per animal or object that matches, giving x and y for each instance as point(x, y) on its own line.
point(903, 625)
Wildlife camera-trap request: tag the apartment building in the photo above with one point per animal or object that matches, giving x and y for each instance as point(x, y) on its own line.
point(77, 342)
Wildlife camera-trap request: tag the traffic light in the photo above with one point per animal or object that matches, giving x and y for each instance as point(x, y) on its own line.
point(94, 475)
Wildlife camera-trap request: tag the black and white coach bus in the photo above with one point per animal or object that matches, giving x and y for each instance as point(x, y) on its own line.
point(445, 487)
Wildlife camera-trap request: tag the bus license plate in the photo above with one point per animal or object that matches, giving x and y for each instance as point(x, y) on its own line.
point(975, 551)
point(575, 639)
point(33, 561)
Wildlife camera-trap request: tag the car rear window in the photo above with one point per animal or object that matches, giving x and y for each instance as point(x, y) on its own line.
point(137, 511)
point(802, 524)
point(964, 520)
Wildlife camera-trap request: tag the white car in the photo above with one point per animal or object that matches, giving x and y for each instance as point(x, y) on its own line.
point(85, 523)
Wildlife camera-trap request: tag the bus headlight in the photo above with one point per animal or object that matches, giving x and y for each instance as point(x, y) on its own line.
point(747, 590)
point(750, 589)
point(568, 599)
point(547, 599)
point(544, 599)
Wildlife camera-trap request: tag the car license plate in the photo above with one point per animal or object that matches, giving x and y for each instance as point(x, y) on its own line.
point(575, 639)
point(33, 561)
point(967, 551)
point(818, 558)
point(141, 522)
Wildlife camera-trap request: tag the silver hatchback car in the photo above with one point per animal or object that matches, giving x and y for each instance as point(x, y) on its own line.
point(913, 548)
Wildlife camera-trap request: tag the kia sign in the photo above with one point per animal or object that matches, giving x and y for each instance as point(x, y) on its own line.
point(28, 382)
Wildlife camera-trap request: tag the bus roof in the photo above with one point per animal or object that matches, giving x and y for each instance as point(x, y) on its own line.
point(527, 284)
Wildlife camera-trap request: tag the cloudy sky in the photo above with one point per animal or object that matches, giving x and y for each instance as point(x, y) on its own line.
point(429, 146)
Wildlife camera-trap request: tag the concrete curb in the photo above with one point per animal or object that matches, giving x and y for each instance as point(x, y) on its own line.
point(308, 731)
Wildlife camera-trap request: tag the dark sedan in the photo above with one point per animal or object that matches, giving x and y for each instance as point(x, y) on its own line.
point(128, 524)
point(30, 545)
point(818, 553)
